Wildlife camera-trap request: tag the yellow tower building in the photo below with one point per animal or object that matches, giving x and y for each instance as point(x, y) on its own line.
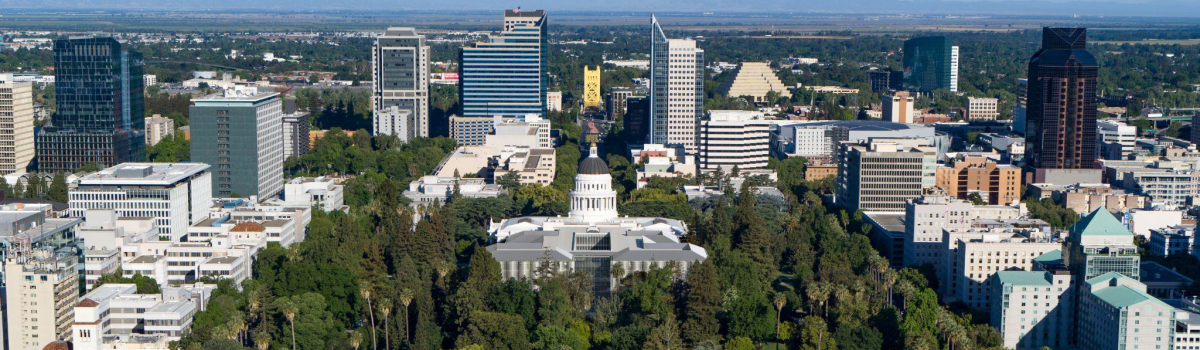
point(591, 86)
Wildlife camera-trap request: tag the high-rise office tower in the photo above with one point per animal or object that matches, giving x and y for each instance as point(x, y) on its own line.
point(16, 125)
point(505, 75)
point(400, 71)
point(930, 63)
point(1021, 107)
point(636, 119)
point(98, 99)
point(591, 86)
point(240, 134)
point(1061, 104)
point(677, 89)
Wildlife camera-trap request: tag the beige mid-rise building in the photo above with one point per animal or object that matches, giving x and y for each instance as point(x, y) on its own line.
point(16, 125)
point(982, 108)
point(158, 127)
point(43, 287)
point(898, 107)
point(974, 255)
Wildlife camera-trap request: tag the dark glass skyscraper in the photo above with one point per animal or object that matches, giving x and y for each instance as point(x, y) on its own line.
point(99, 116)
point(930, 63)
point(1061, 102)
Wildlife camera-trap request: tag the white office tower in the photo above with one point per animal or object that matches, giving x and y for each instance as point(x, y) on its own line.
point(16, 125)
point(677, 89)
point(400, 77)
point(730, 139)
point(1115, 140)
point(43, 286)
point(394, 121)
point(175, 195)
point(1032, 309)
point(954, 69)
point(593, 198)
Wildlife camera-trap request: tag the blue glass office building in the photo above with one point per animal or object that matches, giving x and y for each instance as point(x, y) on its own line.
point(99, 115)
point(505, 75)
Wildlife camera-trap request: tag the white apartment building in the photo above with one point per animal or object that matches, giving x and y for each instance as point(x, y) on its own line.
point(954, 59)
point(323, 192)
point(43, 287)
point(400, 72)
point(1115, 312)
point(1174, 240)
point(1169, 184)
point(927, 216)
point(176, 195)
point(158, 127)
point(982, 108)
point(813, 142)
point(974, 255)
point(898, 107)
point(730, 139)
point(430, 189)
point(1032, 309)
point(16, 125)
point(106, 318)
point(1113, 131)
point(554, 101)
point(393, 121)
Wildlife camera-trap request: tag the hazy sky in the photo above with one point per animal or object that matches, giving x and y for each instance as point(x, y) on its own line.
point(1173, 8)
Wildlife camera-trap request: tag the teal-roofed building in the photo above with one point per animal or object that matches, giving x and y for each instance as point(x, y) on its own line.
point(1115, 312)
point(1099, 244)
point(1032, 309)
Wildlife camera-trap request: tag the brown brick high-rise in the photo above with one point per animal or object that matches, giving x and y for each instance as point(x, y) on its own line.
point(1061, 119)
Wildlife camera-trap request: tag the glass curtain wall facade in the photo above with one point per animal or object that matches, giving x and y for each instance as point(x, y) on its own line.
point(401, 77)
point(505, 75)
point(99, 106)
point(1061, 102)
point(659, 88)
point(929, 64)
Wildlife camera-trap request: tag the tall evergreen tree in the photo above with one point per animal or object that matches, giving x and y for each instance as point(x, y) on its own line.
point(58, 189)
point(703, 304)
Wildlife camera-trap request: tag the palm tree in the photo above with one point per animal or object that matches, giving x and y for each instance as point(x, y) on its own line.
point(365, 290)
point(406, 297)
point(262, 339)
point(385, 307)
point(443, 269)
point(289, 310)
point(617, 271)
point(355, 339)
point(819, 293)
point(780, 301)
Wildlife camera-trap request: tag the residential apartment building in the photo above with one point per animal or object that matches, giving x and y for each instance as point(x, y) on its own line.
point(505, 75)
point(1169, 184)
point(1033, 309)
point(554, 101)
point(734, 139)
point(676, 89)
point(393, 121)
point(400, 79)
point(883, 174)
point(471, 131)
point(1061, 113)
point(99, 115)
point(755, 80)
point(174, 195)
point(898, 107)
point(1115, 312)
point(16, 125)
point(927, 216)
point(43, 287)
point(158, 127)
point(973, 255)
point(994, 183)
point(240, 134)
point(982, 108)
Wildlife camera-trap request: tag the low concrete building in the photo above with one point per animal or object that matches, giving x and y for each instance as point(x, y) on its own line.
point(430, 189)
point(106, 317)
point(1173, 240)
point(1162, 282)
point(323, 192)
